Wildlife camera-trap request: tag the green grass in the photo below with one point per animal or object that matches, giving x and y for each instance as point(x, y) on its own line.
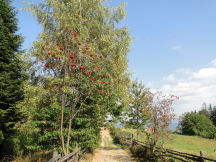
point(188, 144)
point(42, 156)
point(192, 144)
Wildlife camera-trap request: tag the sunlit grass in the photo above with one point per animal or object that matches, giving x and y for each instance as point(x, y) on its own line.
point(188, 144)
point(192, 144)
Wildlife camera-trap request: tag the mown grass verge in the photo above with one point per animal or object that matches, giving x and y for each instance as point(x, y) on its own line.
point(184, 143)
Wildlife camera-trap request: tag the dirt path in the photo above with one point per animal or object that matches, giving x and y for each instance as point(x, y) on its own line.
point(108, 152)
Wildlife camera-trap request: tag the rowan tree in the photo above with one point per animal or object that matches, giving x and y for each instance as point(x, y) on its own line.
point(161, 115)
point(82, 56)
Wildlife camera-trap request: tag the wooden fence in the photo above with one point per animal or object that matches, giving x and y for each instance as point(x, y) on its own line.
point(71, 157)
point(180, 156)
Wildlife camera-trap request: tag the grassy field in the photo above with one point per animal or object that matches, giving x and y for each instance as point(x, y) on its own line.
point(188, 144)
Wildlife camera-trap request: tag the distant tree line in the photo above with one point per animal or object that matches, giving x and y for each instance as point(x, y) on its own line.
point(200, 123)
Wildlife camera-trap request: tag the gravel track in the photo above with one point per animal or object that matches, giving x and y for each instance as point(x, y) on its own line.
point(108, 152)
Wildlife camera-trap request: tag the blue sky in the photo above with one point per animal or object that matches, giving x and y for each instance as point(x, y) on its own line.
point(174, 46)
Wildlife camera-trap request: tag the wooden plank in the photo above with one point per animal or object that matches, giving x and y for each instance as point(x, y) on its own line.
point(54, 159)
point(67, 157)
point(176, 158)
point(70, 155)
point(205, 158)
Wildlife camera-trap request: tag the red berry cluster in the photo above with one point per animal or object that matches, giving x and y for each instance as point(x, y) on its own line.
point(80, 57)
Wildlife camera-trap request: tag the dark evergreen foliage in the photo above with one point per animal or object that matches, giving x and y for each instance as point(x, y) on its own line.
point(213, 115)
point(11, 76)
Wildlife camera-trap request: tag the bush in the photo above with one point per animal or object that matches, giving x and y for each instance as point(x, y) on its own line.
point(139, 151)
point(196, 124)
point(115, 133)
point(11, 147)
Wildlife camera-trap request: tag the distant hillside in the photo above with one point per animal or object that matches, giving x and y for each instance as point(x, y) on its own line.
point(173, 125)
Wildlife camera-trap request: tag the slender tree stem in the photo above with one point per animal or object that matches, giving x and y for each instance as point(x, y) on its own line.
point(70, 121)
point(62, 117)
point(69, 126)
point(68, 136)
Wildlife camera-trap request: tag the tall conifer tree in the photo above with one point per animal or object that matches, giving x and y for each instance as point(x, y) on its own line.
point(10, 71)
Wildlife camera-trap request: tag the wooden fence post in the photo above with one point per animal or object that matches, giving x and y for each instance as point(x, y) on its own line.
point(54, 154)
point(201, 159)
point(131, 140)
point(55, 157)
point(76, 157)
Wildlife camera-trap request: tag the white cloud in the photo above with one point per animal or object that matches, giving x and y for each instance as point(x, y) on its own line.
point(213, 62)
point(206, 73)
point(176, 47)
point(193, 89)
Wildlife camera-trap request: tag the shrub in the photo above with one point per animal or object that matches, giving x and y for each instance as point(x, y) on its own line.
point(139, 151)
point(115, 133)
point(196, 124)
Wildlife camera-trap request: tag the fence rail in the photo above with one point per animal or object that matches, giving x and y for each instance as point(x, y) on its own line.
point(181, 156)
point(72, 157)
